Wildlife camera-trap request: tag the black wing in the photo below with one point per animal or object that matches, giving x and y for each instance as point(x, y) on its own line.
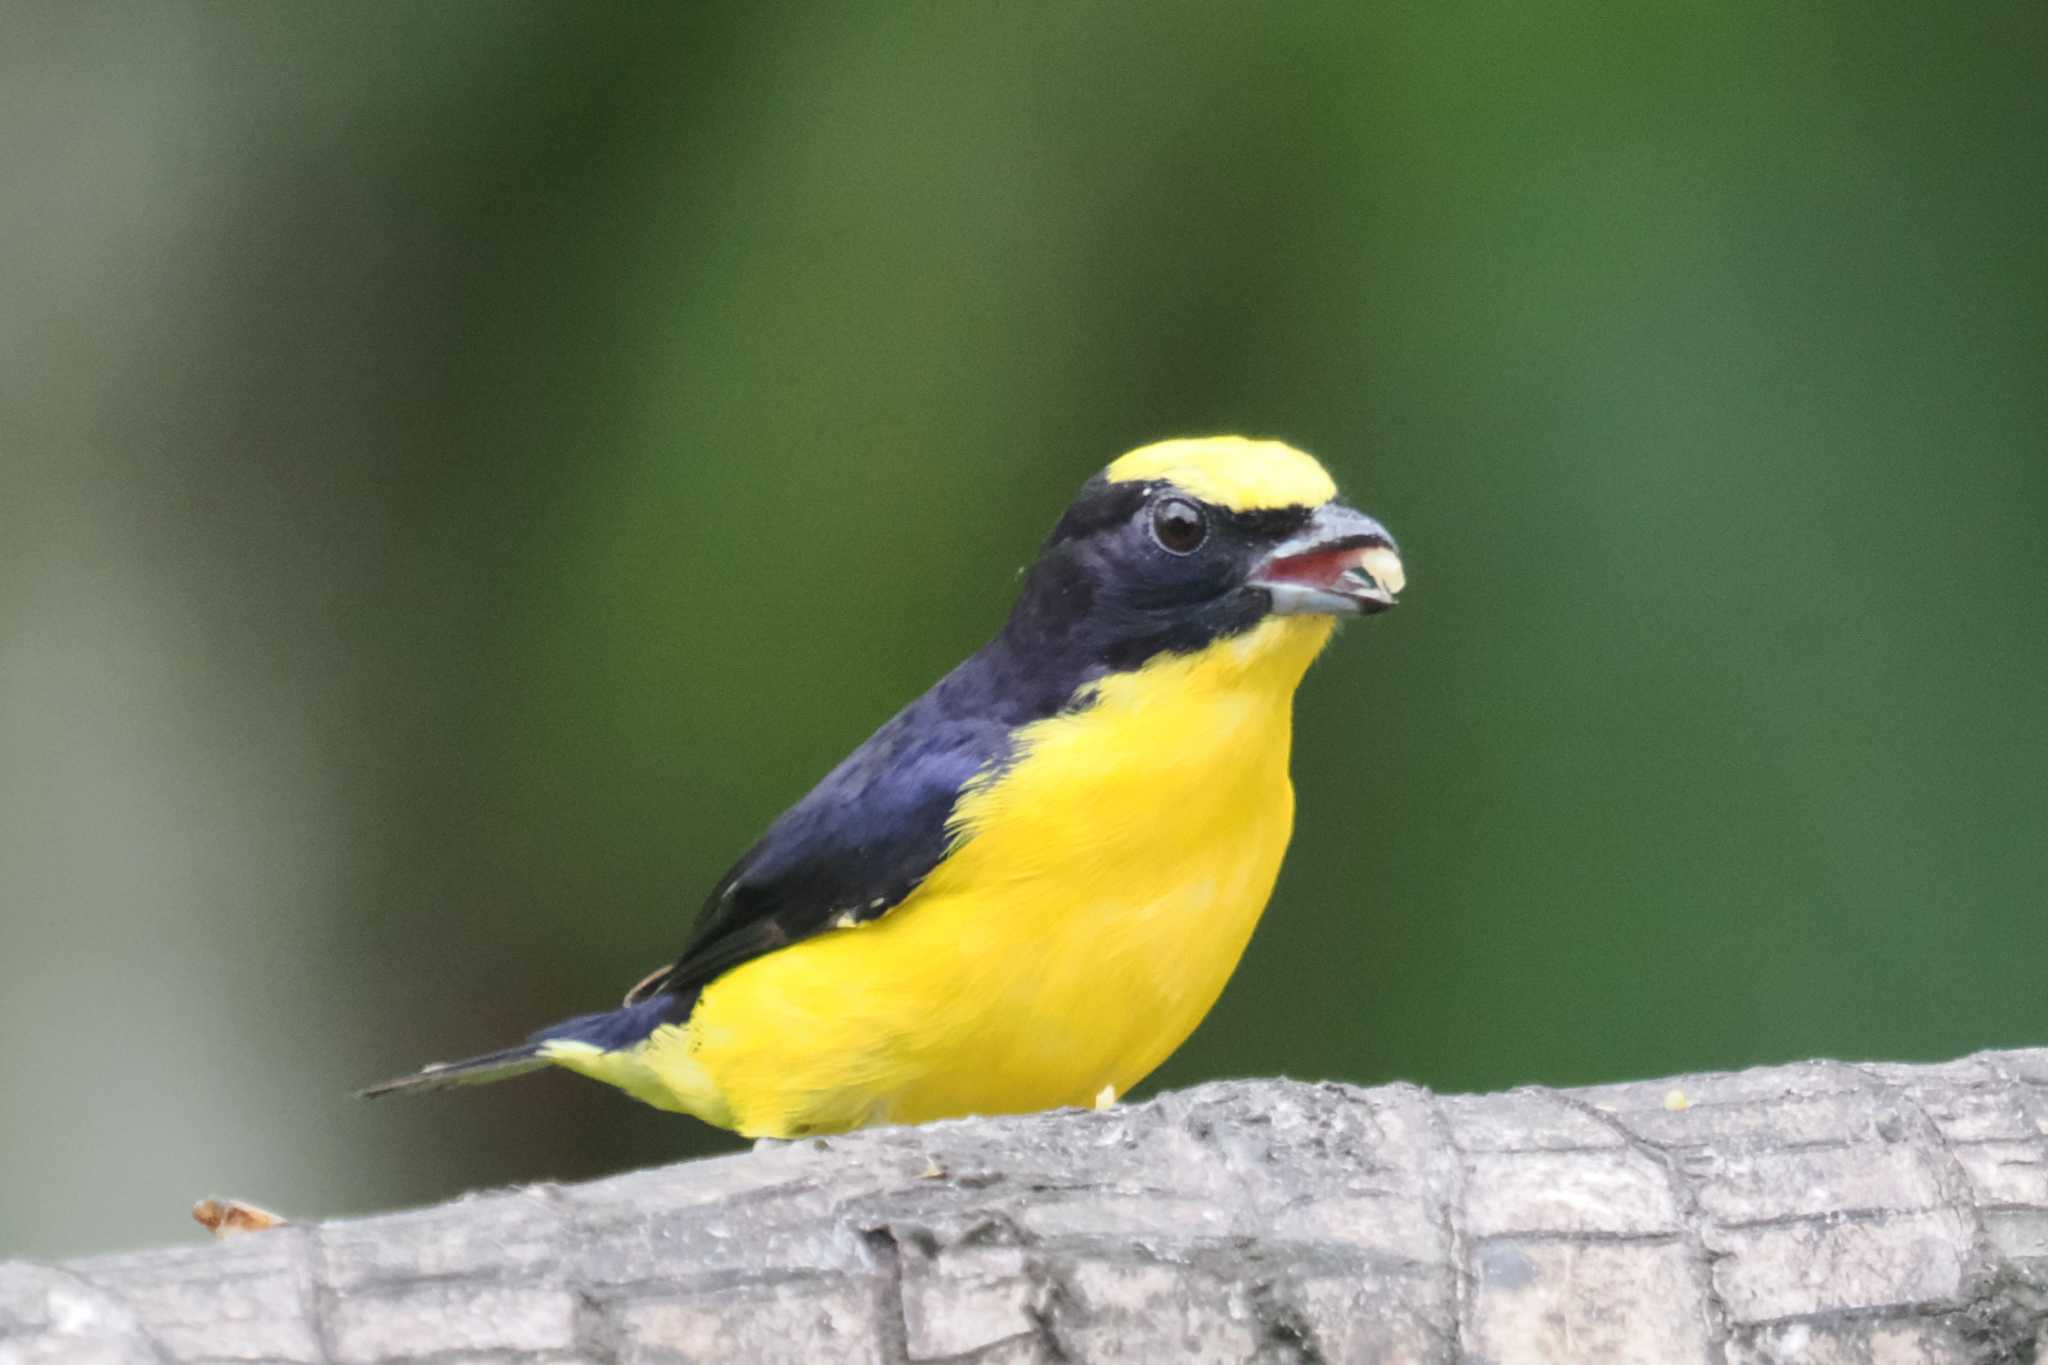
point(854, 847)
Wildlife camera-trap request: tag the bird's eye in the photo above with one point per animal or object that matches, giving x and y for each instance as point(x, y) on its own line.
point(1179, 526)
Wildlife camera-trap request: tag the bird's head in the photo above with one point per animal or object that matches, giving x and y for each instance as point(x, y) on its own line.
point(1185, 542)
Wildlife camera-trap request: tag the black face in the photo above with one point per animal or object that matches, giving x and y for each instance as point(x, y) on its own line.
point(1137, 569)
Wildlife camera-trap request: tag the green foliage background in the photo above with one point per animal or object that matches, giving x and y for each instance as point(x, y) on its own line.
point(468, 465)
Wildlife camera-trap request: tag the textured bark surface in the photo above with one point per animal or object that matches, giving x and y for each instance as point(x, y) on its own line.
point(1817, 1213)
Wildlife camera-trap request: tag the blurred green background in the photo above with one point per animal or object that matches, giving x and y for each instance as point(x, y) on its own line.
point(467, 466)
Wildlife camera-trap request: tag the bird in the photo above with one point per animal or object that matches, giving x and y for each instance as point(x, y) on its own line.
point(1028, 887)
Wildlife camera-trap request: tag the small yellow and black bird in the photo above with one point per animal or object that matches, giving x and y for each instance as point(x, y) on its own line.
point(1029, 886)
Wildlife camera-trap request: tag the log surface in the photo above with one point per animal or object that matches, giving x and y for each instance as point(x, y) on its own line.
point(1817, 1213)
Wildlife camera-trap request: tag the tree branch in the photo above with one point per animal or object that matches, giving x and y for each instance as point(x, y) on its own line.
point(1820, 1212)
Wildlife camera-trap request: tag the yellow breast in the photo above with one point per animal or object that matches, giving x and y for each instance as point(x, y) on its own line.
point(1106, 885)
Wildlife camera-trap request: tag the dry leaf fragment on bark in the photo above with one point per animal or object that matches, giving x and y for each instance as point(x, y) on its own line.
point(222, 1217)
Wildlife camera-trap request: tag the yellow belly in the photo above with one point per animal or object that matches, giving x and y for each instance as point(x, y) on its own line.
point(1106, 886)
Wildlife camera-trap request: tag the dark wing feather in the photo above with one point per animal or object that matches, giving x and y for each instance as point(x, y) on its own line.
point(862, 839)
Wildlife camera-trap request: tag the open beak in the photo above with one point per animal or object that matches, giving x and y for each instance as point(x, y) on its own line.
point(1343, 563)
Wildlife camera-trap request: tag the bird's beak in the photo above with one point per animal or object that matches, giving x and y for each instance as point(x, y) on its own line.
point(1343, 563)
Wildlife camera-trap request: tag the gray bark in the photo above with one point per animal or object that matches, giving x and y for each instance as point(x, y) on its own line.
point(1818, 1213)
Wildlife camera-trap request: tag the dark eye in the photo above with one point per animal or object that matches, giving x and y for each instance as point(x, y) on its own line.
point(1179, 526)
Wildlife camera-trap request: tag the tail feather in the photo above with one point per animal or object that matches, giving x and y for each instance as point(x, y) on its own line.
point(492, 1066)
point(607, 1031)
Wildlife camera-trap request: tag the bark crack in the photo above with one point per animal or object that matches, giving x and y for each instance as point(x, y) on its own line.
point(1047, 1304)
point(892, 1322)
point(1286, 1333)
point(1957, 1191)
point(1685, 1199)
point(1449, 1194)
point(2000, 1312)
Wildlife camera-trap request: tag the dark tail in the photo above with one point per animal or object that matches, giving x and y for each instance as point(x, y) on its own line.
point(612, 1030)
point(492, 1066)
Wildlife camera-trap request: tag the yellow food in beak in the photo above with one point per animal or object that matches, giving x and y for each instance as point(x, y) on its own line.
point(1385, 567)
